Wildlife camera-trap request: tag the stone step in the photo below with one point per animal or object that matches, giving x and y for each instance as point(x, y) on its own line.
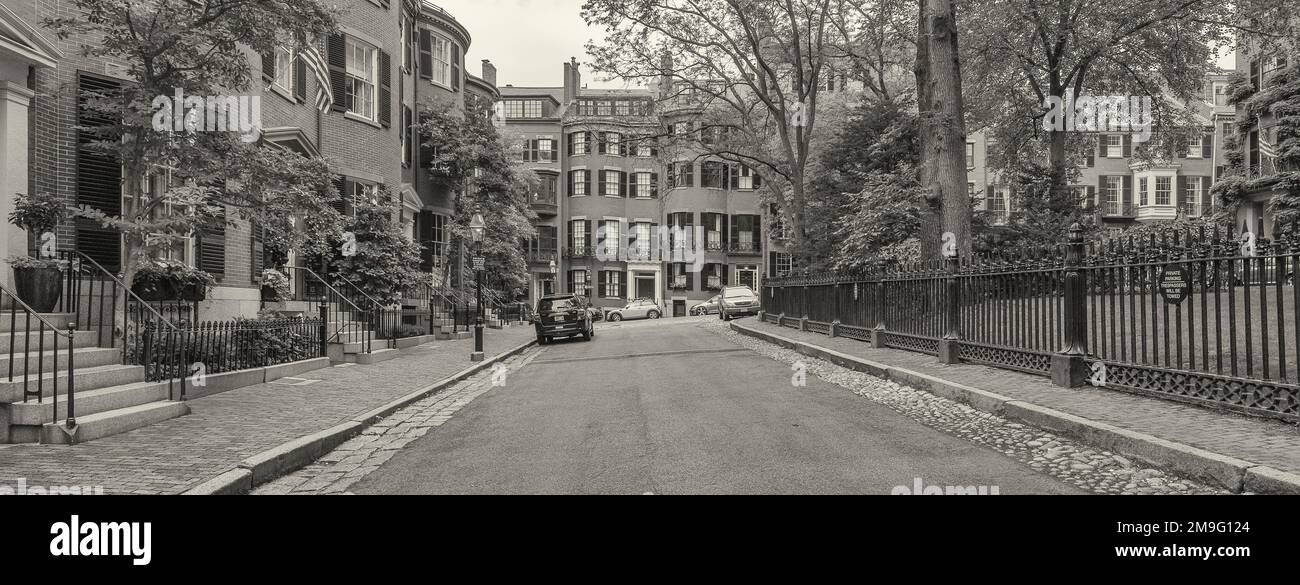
point(374, 357)
point(113, 422)
point(31, 363)
point(89, 378)
point(31, 340)
point(18, 320)
point(32, 413)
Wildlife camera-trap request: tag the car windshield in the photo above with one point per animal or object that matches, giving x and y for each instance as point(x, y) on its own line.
point(738, 293)
point(557, 305)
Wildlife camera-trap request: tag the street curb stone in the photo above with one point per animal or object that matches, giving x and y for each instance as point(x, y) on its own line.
point(1234, 474)
point(298, 453)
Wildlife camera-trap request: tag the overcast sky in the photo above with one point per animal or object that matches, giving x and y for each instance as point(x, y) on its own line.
point(528, 40)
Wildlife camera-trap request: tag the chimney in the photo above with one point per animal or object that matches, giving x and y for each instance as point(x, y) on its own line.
point(572, 80)
point(489, 73)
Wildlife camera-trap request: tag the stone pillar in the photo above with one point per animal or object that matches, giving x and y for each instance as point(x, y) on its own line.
point(15, 100)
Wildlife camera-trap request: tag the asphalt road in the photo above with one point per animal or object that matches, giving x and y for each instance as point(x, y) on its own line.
point(667, 408)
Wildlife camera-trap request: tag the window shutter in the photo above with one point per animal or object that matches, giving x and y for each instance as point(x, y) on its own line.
point(600, 143)
point(341, 187)
point(300, 78)
point(1128, 145)
point(601, 283)
point(385, 89)
point(408, 128)
point(723, 274)
point(1126, 197)
point(99, 177)
point(690, 279)
point(1090, 159)
point(569, 185)
point(601, 183)
point(258, 261)
point(733, 173)
point(1092, 195)
point(426, 54)
point(268, 67)
point(1207, 146)
point(1176, 190)
point(586, 230)
point(586, 177)
point(771, 264)
point(455, 67)
point(337, 47)
point(569, 143)
point(654, 184)
point(735, 229)
point(623, 189)
point(212, 248)
point(757, 223)
point(672, 175)
point(758, 180)
point(623, 286)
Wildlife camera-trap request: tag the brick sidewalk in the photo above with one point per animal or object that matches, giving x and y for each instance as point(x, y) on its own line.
point(1262, 441)
point(174, 455)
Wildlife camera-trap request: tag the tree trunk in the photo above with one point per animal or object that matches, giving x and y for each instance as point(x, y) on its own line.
point(948, 127)
point(929, 236)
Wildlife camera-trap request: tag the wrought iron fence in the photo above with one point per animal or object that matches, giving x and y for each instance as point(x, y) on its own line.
point(214, 347)
point(1205, 316)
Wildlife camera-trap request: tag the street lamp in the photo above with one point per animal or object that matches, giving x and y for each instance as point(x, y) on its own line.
point(555, 286)
point(476, 230)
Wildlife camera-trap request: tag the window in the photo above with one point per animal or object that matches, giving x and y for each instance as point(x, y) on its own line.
point(578, 143)
point(546, 189)
point(523, 108)
point(998, 202)
point(408, 135)
point(783, 263)
point(684, 174)
point(711, 175)
point(970, 190)
point(622, 108)
point(612, 238)
point(1220, 94)
point(1194, 146)
point(441, 61)
point(1142, 191)
point(1163, 189)
point(613, 180)
point(361, 70)
point(645, 148)
point(578, 233)
point(1193, 196)
point(578, 183)
point(578, 282)
point(612, 282)
point(284, 69)
point(746, 178)
point(604, 108)
point(1113, 188)
point(540, 150)
point(614, 146)
point(713, 231)
point(364, 192)
point(1114, 146)
point(970, 155)
point(644, 187)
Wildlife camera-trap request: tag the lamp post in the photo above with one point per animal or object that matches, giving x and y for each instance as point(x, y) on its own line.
point(477, 229)
point(555, 284)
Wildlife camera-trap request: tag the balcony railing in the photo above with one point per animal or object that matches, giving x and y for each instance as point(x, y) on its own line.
point(580, 252)
point(542, 256)
point(745, 248)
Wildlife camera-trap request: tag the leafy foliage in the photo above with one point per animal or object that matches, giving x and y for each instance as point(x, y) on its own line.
point(386, 261)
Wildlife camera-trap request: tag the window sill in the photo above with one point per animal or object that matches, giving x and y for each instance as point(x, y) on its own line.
point(284, 93)
point(362, 119)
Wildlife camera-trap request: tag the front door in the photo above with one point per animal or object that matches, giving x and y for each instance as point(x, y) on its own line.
point(679, 308)
point(548, 287)
point(645, 287)
point(747, 276)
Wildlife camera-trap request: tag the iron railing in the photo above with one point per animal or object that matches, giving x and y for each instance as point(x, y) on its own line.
point(214, 347)
point(348, 317)
point(1196, 316)
point(29, 365)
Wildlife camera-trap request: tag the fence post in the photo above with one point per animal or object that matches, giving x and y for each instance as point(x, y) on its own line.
point(324, 329)
point(1068, 367)
point(950, 344)
point(879, 303)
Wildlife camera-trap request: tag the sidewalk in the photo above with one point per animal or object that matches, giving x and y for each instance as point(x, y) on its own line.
point(1257, 441)
point(224, 429)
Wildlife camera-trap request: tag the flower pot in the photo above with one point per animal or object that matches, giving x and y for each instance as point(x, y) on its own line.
point(193, 292)
point(154, 290)
point(40, 288)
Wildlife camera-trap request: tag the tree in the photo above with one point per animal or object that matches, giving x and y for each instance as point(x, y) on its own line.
point(176, 182)
point(753, 68)
point(943, 128)
point(1021, 54)
point(471, 160)
point(385, 261)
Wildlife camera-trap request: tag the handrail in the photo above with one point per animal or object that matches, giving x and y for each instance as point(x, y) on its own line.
point(327, 285)
point(378, 305)
point(128, 290)
point(29, 309)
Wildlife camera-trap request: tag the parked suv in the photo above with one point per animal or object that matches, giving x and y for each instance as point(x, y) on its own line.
point(563, 315)
point(638, 309)
point(737, 301)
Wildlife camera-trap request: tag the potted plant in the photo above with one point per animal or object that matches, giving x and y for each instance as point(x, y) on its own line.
point(275, 286)
point(38, 281)
point(169, 280)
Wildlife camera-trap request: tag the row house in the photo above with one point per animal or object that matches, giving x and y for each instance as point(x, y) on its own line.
point(389, 59)
point(1259, 137)
point(1116, 178)
point(614, 190)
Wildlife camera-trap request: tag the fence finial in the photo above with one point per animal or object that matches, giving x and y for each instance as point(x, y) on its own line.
point(1076, 232)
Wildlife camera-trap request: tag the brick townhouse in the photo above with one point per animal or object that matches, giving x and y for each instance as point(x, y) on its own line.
point(614, 189)
point(1258, 137)
point(389, 59)
point(1122, 188)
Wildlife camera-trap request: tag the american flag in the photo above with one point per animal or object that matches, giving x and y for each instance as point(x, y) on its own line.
point(324, 91)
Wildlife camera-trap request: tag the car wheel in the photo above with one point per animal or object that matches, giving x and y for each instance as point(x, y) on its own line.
point(541, 340)
point(653, 315)
point(586, 334)
point(616, 317)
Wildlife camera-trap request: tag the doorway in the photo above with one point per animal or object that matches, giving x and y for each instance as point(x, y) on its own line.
point(645, 287)
point(679, 308)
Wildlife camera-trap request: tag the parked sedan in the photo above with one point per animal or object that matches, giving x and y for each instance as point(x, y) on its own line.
point(638, 309)
point(708, 307)
point(737, 301)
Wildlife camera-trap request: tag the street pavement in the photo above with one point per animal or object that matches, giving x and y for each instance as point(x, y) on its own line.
point(657, 407)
